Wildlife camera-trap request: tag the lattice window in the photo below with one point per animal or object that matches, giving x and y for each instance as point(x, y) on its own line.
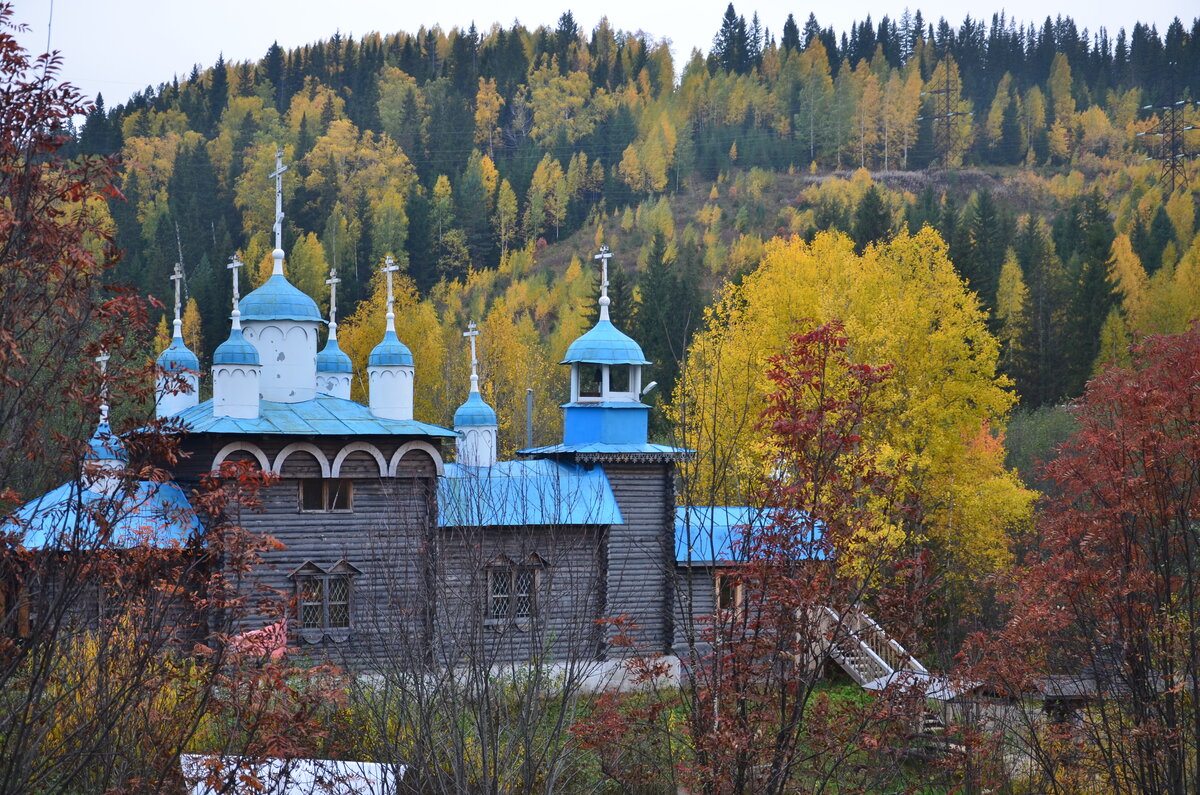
point(501, 590)
point(339, 602)
point(324, 600)
point(312, 603)
point(512, 592)
point(523, 592)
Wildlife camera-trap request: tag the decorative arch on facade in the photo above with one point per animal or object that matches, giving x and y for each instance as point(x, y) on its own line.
point(307, 447)
point(424, 447)
point(363, 447)
point(248, 447)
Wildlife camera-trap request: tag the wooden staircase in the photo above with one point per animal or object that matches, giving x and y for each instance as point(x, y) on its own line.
point(865, 651)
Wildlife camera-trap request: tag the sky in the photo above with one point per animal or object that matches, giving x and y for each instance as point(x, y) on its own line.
point(118, 47)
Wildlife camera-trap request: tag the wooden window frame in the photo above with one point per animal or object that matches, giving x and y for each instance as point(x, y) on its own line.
point(326, 498)
point(721, 588)
point(15, 612)
point(310, 574)
point(509, 572)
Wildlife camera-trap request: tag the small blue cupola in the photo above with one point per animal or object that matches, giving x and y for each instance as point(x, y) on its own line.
point(334, 367)
point(475, 421)
point(177, 386)
point(105, 457)
point(606, 381)
point(236, 369)
point(390, 369)
point(105, 447)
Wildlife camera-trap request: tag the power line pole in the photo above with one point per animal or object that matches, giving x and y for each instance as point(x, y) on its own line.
point(1172, 150)
point(944, 116)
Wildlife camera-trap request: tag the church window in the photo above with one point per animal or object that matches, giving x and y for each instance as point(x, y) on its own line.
point(324, 600)
point(590, 380)
point(326, 494)
point(513, 591)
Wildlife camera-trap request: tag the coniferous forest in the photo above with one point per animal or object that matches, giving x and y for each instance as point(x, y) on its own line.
point(491, 163)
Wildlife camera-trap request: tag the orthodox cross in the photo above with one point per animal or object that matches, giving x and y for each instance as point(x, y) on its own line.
point(277, 175)
point(389, 268)
point(177, 277)
point(235, 264)
point(604, 257)
point(471, 333)
point(333, 281)
point(102, 360)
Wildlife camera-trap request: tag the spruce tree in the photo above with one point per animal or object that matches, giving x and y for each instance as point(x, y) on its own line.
point(217, 95)
point(791, 35)
point(872, 220)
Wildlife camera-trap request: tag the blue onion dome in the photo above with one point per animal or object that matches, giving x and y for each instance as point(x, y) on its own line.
point(235, 350)
point(474, 412)
point(390, 352)
point(279, 299)
point(178, 356)
point(605, 344)
point(105, 445)
point(333, 359)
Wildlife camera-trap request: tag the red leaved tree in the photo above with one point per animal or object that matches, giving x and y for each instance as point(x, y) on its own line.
point(757, 715)
point(114, 625)
point(1105, 617)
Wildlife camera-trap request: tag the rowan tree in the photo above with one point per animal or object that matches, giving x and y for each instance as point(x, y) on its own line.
point(754, 718)
point(1108, 598)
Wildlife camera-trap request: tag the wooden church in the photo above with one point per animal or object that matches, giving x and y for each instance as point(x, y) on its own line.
point(404, 540)
point(388, 553)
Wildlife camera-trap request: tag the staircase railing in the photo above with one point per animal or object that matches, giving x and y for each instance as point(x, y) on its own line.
point(863, 648)
point(887, 648)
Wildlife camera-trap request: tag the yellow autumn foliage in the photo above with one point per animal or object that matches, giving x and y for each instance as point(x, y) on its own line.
point(941, 413)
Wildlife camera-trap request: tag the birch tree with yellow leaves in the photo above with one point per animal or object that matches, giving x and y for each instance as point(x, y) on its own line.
point(943, 411)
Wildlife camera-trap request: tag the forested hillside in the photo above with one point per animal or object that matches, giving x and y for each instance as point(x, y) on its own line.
point(492, 163)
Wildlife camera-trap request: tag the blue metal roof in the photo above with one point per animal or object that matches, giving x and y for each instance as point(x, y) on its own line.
point(178, 356)
point(105, 445)
point(390, 352)
point(605, 344)
point(333, 359)
point(235, 350)
point(279, 299)
point(324, 415)
point(522, 493)
point(474, 412)
point(705, 535)
point(602, 448)
point(70, 516)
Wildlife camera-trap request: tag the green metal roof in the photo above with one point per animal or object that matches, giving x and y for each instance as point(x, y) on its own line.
point(324, 415)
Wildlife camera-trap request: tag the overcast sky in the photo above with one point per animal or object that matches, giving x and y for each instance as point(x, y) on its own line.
point(118, 47)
